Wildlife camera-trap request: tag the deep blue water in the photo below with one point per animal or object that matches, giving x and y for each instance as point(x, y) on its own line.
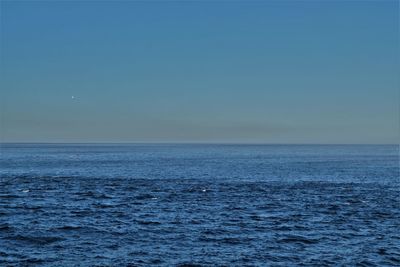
point(199, 205)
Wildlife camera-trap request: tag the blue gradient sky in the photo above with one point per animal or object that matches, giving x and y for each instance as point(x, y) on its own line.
point(270, 72)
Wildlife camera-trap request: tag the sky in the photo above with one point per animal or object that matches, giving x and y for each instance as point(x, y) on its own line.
point(215, 71)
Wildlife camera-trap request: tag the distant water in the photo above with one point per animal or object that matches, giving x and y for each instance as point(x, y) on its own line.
point(199, 205)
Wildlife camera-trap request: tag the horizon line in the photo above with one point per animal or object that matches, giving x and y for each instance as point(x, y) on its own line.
point(188, 143)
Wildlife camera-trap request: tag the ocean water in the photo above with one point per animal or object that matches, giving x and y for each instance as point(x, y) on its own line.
point(199, 205)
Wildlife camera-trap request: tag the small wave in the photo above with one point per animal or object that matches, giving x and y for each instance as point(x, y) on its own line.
point(34, 261)
point(148, 222)
point(80, 229)
point(81, 213)
point(156, 261)
point(188, 265)
point(9, 196)
point(104, 205)
point(214, 232)
point(232, 240)
point(39, 240)
point(93, 194)
point(394, 259)
point(36, 208)
point(298, 239)
point(68, 227)
point(5, 227)
point(225, 240)
point(145, 197)
point(86, 194)
point(283, 228)
point(256, 218)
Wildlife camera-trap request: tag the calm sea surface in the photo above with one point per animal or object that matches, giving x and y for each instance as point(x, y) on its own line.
point(199, 205)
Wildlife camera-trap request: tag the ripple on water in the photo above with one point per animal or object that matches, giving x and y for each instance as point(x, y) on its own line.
point(35, 240)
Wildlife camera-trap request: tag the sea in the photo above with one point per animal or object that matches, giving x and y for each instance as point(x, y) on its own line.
point(199, 205)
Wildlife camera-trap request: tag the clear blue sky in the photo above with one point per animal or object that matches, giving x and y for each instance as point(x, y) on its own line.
point(270, 72)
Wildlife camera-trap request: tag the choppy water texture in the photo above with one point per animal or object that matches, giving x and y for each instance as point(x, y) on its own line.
point(199, 205)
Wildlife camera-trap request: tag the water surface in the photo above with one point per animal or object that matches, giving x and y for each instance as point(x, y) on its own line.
point(205, 205)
